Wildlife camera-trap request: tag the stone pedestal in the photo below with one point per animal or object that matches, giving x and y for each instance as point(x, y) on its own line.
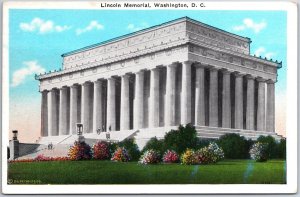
point(14, 149)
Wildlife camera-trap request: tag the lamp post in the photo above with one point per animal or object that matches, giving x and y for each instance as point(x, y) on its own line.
point(79, 127)
point(15, 134)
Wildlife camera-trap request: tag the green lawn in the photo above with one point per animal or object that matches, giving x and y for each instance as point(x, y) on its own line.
point(107, 172)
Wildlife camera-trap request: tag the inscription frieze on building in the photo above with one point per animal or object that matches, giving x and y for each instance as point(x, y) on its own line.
point(114, 68)
point(213, 54)
point(211, 37)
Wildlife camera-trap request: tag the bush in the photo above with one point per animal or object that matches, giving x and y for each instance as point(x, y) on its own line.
point(155, 144)
point(101, 150)
point(272, 149)
point(132, 148)
point(121, 155)
point(170, 156)
point(203, 156)
point(282, 149)
point(210, 154)
point(258, 152)
point(234, 146)
point(201, 143)
point(189, 157)
point(80, 151)
point(149, 157)
point(217, 153)
point(181, 139)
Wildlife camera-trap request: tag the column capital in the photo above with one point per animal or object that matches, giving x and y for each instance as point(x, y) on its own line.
point(187, 62)
point(225, 71)
point(238, 74)
point(270, 81)
point(212, 68)
point(174, 64)
point(199, 65)
point(97, 80)
point(75, 85)
point(126, 76)
point(63, 87)
point(250, 77)
point(259, 79)
point(86, 83)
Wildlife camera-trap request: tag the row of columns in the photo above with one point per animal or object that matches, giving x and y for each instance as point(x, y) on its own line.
point(61, 111)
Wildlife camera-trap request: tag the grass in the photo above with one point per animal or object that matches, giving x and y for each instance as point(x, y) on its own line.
point(107, 172)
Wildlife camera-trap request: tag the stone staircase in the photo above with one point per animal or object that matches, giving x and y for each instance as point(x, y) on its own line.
point(216, 132)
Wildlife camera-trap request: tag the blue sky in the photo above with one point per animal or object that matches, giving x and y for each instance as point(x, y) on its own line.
point(37, 38)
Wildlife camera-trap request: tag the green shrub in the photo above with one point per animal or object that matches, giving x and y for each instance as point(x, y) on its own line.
point(272, 149)
point(201, 143)
point(131, 147)
point(155, 144)
point(181, 139)
point(234, 146)
point(282, 149)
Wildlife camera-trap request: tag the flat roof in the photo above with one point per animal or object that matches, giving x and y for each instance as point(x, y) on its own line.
point(150, 28)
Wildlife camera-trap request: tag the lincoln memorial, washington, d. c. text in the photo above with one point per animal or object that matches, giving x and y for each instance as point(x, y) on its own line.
point(145, 83)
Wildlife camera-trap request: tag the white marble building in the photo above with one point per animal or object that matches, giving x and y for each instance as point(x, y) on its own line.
point(142, 84)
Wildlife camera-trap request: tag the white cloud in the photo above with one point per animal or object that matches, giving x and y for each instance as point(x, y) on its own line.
point(261, 51)
point(132, 27)
point(41, 26)
point(93, 25)
point(29, 68)
point(250, 24)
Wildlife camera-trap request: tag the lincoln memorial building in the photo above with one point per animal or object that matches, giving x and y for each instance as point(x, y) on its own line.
point(143, 84)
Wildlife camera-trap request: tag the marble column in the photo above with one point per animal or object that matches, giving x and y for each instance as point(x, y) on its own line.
point(138, 110)
point(98, 106)
point(186, 93)
point(73, 108)
point(200, 96)
point(170, 95)
point(250, 103)
point(63, 111)
point(44, 114)
point(226, 100)
point(238, 105)
point(111, 105)
point(270, 118)
point(85, 109)
point(52, 113)
point(213, 97)
point(154, 98)
point(125, 113)
point(261, 105)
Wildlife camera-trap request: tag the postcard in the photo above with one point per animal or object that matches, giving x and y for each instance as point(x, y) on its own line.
point(172, 97)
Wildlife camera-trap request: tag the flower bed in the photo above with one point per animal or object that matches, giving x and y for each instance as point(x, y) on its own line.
point(149, 157)
point(188, 157)
point(40, 158)
point(170, 156)
point(80, 151)
point(258, 152)
point(100, 151)
point(120, 155)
